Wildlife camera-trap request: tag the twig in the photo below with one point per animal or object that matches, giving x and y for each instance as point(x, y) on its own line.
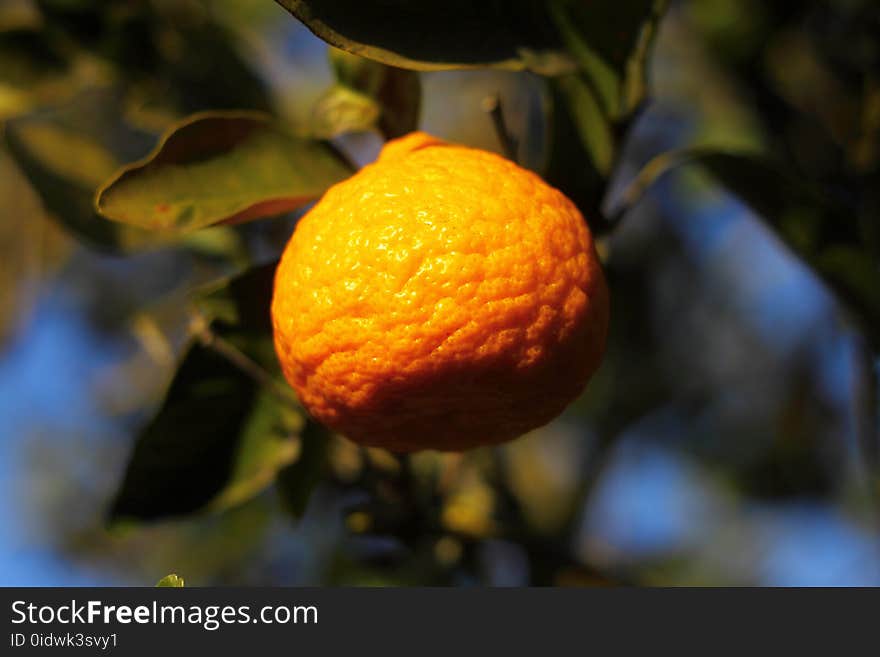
point(509, 143)
point(231, 353)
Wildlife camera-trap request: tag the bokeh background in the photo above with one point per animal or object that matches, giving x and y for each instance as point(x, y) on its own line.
point(729, 438)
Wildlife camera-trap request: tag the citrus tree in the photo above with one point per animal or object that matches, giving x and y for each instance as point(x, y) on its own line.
point(142, 127)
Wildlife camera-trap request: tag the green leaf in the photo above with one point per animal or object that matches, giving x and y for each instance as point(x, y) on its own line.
point(436, 35)
point(66, 153)
point(242, 302)
point(297, 481)
point(227, 424)
point(580, 145)
point(574, 96)
point(610, 42)
point(220, 167)
point(591, 109)
point(635, 77)
point(217, 440)
point(263, 450)
point(820, 231)
point(394, 93)
point(186, 454)
point(171, 581)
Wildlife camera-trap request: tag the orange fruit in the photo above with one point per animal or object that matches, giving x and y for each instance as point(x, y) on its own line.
point(440, 298)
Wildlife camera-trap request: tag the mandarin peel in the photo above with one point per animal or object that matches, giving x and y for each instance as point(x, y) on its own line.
point(441, 298)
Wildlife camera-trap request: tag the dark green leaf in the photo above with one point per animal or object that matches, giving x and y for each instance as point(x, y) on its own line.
point(243, 301)
point(31, 249)
point(220, 167)
point(186, 454)
point(265, 446)
point(635, 76)
point(579, 146)
point(216, 441)
point(31, 69)
point(610, 41)
point(171, 581)
point(297, 481)
point(592, 108)
point(435, 35)
point(228, 423)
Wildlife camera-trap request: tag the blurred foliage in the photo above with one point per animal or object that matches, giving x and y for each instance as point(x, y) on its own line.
point(43, 143)
point(133, 127)
point(821, 232)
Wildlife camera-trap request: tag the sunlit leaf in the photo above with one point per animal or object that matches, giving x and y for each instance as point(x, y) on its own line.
point(340, 110)
point(171, 581)
point(220, 167)
point(395, 92)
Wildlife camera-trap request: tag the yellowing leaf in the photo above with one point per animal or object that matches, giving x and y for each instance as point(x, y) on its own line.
point(171, 581)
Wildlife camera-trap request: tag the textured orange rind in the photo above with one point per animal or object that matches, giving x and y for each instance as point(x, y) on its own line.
point(441, 298)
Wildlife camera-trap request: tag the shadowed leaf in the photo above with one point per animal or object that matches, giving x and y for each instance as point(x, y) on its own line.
point(216, 441)
point(592, 108)
point(297, 481)
point(580, 146)
point(186, 454)
point(32, 248)
point(225, 428)
point(265, 447)
point(242, 302)
point(220, 167)
point(174, 55)
point(434, 35)
point(610, 42)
